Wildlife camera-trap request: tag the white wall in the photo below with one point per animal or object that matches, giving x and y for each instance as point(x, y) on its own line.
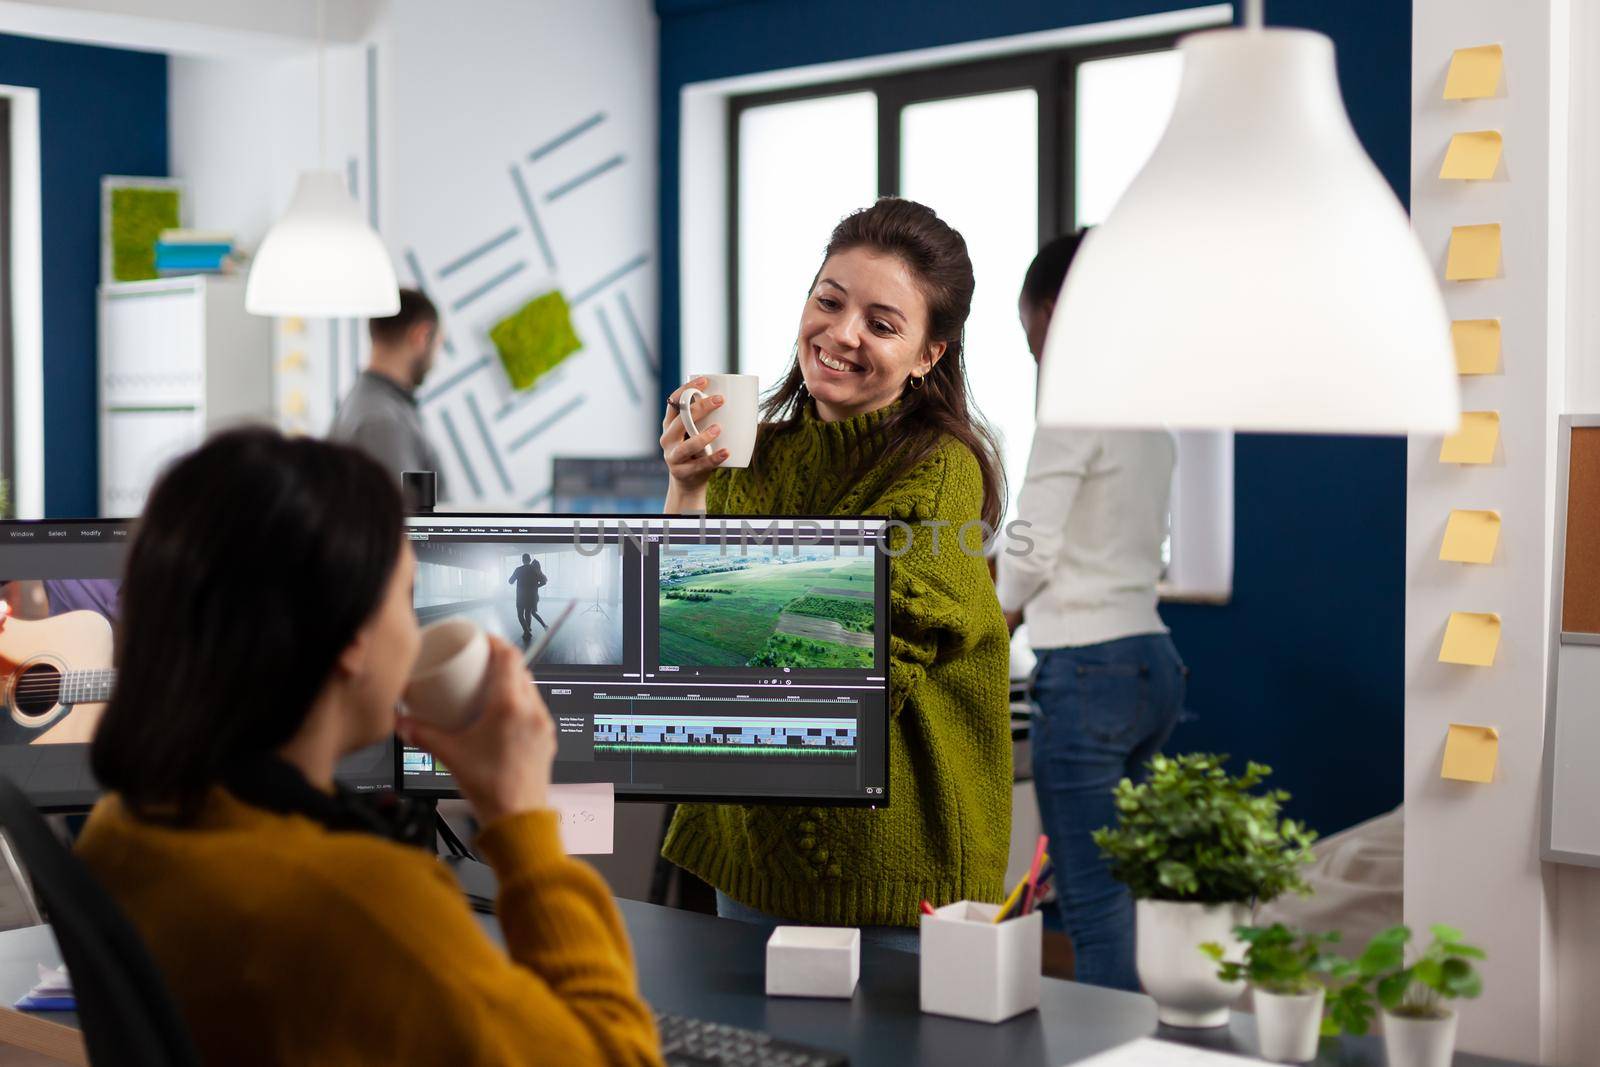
point(471, 91)
point(1472, 851)
point(456, 100)
point(1577, 889)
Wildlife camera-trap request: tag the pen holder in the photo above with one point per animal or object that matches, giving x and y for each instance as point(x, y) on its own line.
point(975, 968)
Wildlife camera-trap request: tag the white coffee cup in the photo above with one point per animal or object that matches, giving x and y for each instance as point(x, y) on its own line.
point(447, 680)
point(736, 416)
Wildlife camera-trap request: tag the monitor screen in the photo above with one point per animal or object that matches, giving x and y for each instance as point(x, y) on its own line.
point(714, 659)
point(608, 485)
point(62, 582)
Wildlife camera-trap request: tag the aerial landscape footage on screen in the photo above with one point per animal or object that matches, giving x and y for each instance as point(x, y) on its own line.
point(766, 606)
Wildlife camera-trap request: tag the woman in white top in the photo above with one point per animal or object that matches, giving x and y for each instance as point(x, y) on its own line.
point(1109, 682)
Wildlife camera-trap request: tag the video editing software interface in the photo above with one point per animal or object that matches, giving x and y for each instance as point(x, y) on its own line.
point(719, 659)
point(62, 582)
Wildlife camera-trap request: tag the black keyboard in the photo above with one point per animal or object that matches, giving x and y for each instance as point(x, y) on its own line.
point(698, 1043)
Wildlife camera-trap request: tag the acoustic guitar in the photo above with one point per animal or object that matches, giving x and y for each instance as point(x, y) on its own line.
point(55, 677)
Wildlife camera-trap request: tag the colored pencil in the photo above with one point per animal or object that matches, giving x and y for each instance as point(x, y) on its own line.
point(1014, 896)
point(1033, 875)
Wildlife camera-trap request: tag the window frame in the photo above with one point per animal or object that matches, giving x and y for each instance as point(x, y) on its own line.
point(1051, 73)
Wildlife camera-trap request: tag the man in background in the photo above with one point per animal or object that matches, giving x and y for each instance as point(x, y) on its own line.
point(379, 415)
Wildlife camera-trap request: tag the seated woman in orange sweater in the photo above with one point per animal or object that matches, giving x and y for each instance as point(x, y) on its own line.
point(267, 630)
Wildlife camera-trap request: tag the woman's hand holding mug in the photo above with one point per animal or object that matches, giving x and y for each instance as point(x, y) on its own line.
point(501, 761)
point(710, 422)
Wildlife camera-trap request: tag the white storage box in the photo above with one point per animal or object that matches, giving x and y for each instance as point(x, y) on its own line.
point(974, 968)
point(813, 961)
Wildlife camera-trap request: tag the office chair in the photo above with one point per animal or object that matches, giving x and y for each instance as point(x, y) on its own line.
point(127, 1015)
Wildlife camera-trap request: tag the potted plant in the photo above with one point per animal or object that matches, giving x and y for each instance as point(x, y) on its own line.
point(1418, 1030)
point(1287, 969)
point(1198, 848)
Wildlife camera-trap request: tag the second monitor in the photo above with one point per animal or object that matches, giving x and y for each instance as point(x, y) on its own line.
point(728, 660)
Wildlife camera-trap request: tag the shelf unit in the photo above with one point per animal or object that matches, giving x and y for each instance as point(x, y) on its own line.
point(179, 359)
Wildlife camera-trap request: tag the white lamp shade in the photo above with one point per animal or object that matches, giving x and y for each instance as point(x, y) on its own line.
point(321, 259)
point(1258, 274)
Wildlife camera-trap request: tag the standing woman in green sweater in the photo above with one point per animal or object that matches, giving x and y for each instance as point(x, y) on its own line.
point(873, 419)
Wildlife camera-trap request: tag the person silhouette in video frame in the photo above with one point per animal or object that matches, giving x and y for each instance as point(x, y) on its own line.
point(528, 578)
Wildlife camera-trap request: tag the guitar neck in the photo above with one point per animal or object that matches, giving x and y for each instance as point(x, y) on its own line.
point(87, 687)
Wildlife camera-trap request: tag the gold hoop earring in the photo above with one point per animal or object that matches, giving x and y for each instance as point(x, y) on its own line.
point(916, 381)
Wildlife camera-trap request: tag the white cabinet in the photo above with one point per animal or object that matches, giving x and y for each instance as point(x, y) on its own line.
point(179, 358)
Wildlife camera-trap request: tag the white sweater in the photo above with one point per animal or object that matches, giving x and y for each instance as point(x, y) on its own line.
point(1097, 503)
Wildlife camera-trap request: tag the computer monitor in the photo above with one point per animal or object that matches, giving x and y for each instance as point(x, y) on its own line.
point(705, 659)
point(608, 485)
point(62, 579)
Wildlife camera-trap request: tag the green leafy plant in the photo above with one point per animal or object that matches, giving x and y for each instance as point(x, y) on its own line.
point(1418, 989)
point(1193, 833)
point(1289, 962)
point(1277, 959)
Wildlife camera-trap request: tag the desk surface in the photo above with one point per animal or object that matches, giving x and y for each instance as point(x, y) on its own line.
point(715, 969)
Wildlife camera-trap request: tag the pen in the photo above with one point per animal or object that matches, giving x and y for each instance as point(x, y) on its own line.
point(1014, 896)
point(1033, 875)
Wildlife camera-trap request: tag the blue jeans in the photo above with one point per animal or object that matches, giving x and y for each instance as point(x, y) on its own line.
point(1104, 711)
point(900, 938)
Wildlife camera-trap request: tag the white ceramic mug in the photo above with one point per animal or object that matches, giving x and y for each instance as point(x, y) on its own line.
point(736, 416)
point(446, 682)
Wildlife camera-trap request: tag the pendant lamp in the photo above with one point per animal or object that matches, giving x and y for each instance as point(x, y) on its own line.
point(1258, 274)
point(321, 259)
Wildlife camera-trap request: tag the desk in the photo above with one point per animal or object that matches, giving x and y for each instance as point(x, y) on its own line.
point(715, 969)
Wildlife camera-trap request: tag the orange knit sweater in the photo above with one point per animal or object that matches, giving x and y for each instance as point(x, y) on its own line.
point(287, 943)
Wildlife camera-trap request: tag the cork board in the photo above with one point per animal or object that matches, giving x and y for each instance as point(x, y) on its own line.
point(1580, 587)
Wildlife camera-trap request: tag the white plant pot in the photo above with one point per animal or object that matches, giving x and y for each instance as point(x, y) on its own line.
point(1419, 1042)
point(1288, 1026)
point(1178, 976)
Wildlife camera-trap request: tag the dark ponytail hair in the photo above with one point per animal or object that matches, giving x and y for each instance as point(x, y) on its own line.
point(256, 561)
point(937, 257)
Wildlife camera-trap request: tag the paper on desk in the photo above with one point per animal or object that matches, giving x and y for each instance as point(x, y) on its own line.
point(1472, 156)
point(1470, 753)
point(1471, 638)
point(1474, 253)
point(1474, 72)
point(1470, 536)
point(1477, 343)
point(1475, 441)
point(588, 817)
point(1148, 1052)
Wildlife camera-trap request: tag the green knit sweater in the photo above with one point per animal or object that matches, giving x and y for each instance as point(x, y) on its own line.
point(945, 832)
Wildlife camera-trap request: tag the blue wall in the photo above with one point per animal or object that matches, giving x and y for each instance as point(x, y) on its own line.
point(101, 111)
point(1303, 668)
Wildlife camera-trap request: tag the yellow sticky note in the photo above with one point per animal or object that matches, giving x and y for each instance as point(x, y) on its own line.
point(1471, 638)
point(294, 325)
point(1475, 441)
point(1472, 156)
point(1477, 344)
point(295, 403)
point(1470, 753)
point(1470, 537)
point(1474, 253)
point(293, 360)
point(1474, 72)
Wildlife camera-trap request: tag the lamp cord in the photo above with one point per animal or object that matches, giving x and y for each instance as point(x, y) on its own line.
point(322, 99)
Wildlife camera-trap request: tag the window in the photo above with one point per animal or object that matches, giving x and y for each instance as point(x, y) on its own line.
point(1010, 151)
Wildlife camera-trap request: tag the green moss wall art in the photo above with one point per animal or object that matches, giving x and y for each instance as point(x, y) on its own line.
point(535, 339)
point(138, 215)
